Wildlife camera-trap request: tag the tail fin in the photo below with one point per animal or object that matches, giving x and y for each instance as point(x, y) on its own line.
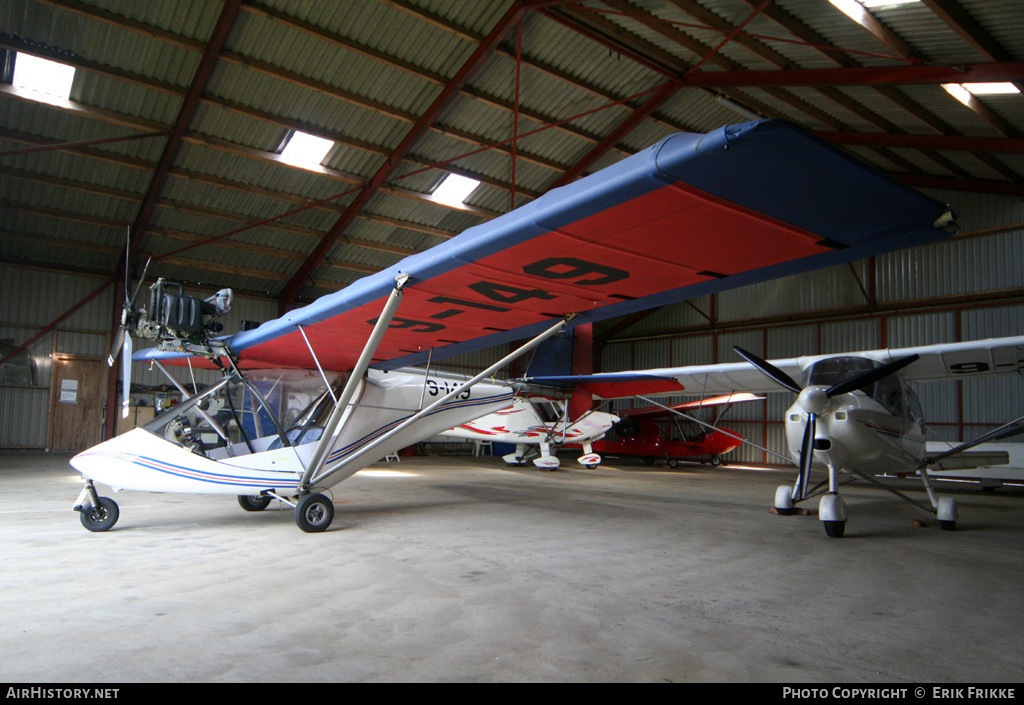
point(553, 357)
point(568, 353)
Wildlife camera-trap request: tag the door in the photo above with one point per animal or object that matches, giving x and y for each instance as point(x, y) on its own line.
point(76, 402)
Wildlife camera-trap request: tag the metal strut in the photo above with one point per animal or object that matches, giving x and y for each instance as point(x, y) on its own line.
point(712, 427)
point(355, 378)
point(558, 327)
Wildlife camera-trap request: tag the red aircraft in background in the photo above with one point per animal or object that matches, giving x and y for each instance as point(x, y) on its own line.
point(639, 433)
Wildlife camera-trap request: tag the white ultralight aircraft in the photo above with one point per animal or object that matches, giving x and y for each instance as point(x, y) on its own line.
point(310, 398)
point(855, 416)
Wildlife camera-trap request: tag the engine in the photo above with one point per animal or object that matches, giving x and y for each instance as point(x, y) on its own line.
point(177, 321)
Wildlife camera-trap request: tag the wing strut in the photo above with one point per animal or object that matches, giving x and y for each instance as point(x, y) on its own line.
point(355, 378)
point(713, 427)
point(558, 327)
point(186, 396)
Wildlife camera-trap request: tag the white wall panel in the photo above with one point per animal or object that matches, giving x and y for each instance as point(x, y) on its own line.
point(992, 322)
point(832, 287)
point(693, 350)
point(921, 329)
point(844, 336)
point(792, 341)
point(751, 341)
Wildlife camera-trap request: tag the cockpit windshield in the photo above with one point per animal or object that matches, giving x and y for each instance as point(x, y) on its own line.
point(834, 370)
point(887, 391)
point(235, 416)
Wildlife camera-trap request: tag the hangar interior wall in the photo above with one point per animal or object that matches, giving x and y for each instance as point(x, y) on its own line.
point(32, 298)
point(968, 287)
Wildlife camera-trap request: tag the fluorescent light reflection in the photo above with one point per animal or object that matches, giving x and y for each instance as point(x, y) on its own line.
point(43, 76)
point(385, 473)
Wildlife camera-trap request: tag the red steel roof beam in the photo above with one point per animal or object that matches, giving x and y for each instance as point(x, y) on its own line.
point(187, 111)
point(623, 129)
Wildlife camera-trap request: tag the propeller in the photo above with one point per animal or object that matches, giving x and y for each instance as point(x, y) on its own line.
point(122, 338)
point(816, 400)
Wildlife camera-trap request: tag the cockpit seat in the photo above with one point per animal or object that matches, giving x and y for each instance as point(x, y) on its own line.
point(312, 434)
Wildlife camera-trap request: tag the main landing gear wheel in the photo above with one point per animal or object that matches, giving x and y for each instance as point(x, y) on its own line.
point(716, 460)
point(784, 500)
point(673, 463)
point(254, 503)
point(314, 513)
point(102, 517)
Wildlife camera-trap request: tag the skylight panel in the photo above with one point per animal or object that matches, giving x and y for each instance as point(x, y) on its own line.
point(43, 76)
point(306, 150)
point(857, 10)
point(959, 92)
point(887, 3)
point(964, 91)
point(454, 189)
point(991, 88)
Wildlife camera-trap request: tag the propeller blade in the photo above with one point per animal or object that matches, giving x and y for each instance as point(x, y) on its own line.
point(806, 455)
point(866, 379)
point(119, 338)
point(768, 369)
point(138, 287)
point(126, 375)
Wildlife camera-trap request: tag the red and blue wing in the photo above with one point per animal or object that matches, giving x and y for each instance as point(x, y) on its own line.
point(691, 215)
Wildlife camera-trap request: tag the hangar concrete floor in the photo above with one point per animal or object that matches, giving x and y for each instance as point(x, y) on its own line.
point(458, 569)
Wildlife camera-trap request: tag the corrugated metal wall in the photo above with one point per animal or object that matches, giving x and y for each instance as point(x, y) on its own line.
point(31, 299)
point(939, 293)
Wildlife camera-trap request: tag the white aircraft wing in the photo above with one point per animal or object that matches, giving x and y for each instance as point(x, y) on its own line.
point(935, 362)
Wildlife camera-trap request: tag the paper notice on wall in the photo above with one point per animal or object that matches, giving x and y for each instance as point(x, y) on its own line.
point(69, 391)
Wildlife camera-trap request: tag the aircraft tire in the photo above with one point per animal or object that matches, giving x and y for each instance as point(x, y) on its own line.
point(835, 529)
point(101, 518)
point(948, 525)
point(314, 513)
point(716, 460)
point(673, 463)
point(253, 503)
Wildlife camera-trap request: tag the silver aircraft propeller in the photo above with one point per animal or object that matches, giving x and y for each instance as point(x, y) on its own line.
point(122, 338)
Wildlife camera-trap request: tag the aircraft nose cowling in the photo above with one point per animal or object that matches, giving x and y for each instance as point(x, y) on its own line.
point(813, 400)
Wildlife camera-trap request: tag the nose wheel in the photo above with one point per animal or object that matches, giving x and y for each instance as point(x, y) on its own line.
point(99, 516)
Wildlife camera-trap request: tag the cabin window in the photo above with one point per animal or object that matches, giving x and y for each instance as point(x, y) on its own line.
point(834, 370)
point(229, 418)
